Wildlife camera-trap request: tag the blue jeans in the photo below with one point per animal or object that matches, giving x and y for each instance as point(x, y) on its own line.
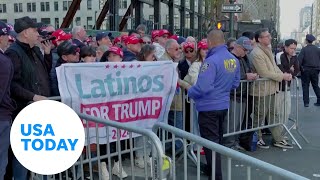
point(4, 146)
point(178, 123)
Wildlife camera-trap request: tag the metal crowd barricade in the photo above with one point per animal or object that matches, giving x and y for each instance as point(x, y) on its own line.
point(89, 165)
point(229, 157)
point(244, 119)
point(295, 116)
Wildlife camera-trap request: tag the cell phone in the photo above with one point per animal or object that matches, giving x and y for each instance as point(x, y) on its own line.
point(50, 38)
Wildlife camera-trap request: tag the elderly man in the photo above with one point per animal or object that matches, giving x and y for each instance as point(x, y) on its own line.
point(219, 74)
point(141, 29)
point(239, 97)
point(309, 59)
point(265, 92)
point(172, 51)
point(7, 106)
point(79, 35)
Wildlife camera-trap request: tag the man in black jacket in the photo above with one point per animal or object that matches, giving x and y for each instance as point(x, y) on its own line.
point(309, 59)
point(31, 73)
point(6, 103)
point(287, 63)
point(239, 96)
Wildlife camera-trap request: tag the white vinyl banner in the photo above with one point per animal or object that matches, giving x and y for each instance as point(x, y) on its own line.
point(136, 93)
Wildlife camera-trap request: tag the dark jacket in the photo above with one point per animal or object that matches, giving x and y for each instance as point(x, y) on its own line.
point(7, 105)
point(31, 73)
point(183, 67)
point(309, 58)
point(129, 56)
point(242, 91)
point(54, 79)
point(285, 66)
point(78, 43)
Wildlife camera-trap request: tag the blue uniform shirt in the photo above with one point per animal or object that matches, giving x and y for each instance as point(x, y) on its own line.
point(219, 74)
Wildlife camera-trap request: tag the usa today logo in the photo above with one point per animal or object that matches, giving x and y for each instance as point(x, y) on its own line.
point(47, 137)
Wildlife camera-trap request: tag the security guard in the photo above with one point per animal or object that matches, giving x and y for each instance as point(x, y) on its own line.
point(309, 59)
point(219, 74)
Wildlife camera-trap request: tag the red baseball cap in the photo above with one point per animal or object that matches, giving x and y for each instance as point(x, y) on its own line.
point(133, 40)
point(163, 32)
point(155, 33)
point(123, 38)
point(60, 36)
point(202, 45)
point(116, 40)
point(188, 45)
point(175, 37)
point(115, 50)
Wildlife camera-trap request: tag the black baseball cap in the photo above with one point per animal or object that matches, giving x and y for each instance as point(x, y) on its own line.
point(4, 29)
point(24, 23)
point(67, 48)
point(103, 34)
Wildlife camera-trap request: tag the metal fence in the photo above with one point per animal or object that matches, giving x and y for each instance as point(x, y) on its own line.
point(97, 159)
point(229, 154)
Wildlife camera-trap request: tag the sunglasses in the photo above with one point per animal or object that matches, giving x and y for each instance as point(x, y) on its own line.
point(148, 42)
point(190, 51)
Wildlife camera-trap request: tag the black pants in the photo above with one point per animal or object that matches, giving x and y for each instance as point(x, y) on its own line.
point(211, 128)
point(308, 76)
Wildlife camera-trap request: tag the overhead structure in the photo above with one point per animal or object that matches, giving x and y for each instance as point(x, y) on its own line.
point(193, 15)
point(75, 5)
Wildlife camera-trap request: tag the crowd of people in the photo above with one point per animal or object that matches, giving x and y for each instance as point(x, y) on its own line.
point(209, 70)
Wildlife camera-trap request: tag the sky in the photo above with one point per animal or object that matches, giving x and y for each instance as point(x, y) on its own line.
point(289, 15)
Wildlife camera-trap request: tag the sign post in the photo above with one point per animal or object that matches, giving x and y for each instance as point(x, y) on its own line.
point(232, 8)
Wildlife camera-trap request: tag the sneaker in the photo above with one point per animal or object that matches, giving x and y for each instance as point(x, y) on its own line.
point(237, 148)
point(306, 105)
point(262, 145)
point(283, 144)
point(116, 170)
point(104, 171)
point(139, 162)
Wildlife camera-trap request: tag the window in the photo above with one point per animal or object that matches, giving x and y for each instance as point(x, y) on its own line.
point(65, 5)
point(46, 20)
point(78, 21)
point(47, 6)
point(151, 17)
point(56, 23)
point(89, 22)
point(89, 4)
point(123, 4)
point(17, 7)
point(56, 6)
point(3, 8)
point(31, 7)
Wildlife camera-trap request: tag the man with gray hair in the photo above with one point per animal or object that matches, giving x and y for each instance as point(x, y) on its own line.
point(79, 35)
point(172, 51)
point(142, 29)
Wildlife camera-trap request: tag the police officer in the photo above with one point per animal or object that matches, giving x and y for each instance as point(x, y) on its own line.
point(219, 74)
point(309, 59)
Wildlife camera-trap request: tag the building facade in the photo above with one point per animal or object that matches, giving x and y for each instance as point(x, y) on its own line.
point(261, 10)
point(53, 12)
point(305, 17)
point(315, 24)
